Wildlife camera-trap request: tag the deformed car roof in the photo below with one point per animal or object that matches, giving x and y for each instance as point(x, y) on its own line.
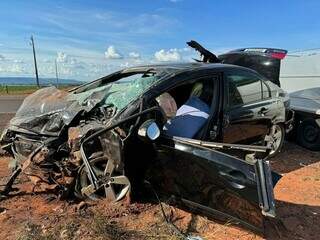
point(169, 69)
point(177, 67)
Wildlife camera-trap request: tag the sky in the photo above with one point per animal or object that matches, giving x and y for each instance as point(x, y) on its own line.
point(90, 39)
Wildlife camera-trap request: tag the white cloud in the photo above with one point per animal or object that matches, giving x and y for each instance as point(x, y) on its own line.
point(134, 55)
point(62, 57)
point(79, 67)
point(2, 58)
point(167, 56)
point(125, 65)
point(17, 69)
point(13, 69)
point(73, 61)
point(18, 61)
point(185, 49)
point(46, 60)
point(111, 53)
point(47, 69)
point(64, 70)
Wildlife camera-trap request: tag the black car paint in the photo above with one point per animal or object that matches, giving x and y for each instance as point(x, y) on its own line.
point(258, 59)
point(247, 115)
point(210, 179)
point(173, 153)
point(251, 122)
point(217, 166)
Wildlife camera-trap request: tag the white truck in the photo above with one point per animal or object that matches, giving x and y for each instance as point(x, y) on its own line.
point(300, 76)
point(306, 105)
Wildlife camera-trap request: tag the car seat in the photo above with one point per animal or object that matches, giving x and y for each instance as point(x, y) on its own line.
point(191, 116)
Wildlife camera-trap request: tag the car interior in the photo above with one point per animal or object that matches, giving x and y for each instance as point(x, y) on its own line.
point(178, 100)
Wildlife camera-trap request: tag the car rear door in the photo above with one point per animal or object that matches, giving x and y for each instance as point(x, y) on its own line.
point(217, 184)
point(249, 107)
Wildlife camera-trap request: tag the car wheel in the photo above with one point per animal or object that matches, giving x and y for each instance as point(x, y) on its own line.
point(115, 184)
point(276, 136)
point(309, 134)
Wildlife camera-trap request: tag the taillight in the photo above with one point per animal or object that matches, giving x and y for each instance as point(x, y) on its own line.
point(278, 55)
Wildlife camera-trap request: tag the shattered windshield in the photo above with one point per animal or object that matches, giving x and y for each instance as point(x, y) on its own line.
point(119, 93)
point(48, 109)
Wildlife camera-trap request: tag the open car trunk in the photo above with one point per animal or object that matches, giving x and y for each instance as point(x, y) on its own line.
point(265, 61)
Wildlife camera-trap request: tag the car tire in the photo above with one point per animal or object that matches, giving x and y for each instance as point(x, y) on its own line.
point(308, 135)
point(277, 134)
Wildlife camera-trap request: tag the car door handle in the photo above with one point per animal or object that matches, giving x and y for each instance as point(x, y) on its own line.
point(235, 178)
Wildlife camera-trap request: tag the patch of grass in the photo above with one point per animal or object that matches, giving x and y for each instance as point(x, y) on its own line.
point(107, 229)
point(68, 230)
point(33, 231)
point(17, 89)
point(23, 89)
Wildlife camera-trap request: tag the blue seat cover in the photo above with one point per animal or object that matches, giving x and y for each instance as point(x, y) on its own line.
point(190, 118)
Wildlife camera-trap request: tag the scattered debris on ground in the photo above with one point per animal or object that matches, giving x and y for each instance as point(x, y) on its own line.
point(27, 215)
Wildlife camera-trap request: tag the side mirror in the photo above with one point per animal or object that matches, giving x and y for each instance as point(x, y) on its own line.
point(149, 129)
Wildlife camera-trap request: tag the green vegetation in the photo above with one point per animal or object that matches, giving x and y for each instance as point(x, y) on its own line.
point(17, 89)
point(97, 226)
point(22, 89)
point(33, 231)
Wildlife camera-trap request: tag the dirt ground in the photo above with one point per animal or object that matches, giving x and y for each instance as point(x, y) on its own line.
point(26, 215)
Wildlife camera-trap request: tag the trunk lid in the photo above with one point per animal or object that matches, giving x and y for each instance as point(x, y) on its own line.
point(265, 61)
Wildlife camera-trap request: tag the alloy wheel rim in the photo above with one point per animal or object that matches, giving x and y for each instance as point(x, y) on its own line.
point(115, 185)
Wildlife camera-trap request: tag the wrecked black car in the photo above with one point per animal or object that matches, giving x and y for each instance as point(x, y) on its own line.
point(173, 126)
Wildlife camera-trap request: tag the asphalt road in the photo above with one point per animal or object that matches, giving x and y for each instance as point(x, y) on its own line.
point(10, 104)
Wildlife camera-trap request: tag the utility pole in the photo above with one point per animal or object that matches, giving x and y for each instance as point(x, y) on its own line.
point(56, 65)
point(35, 62)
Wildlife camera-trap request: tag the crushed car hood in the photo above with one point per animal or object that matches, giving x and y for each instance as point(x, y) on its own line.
point(48, 110)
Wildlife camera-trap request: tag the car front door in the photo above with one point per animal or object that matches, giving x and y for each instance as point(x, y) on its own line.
point(248, 107)
point(215, 183)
